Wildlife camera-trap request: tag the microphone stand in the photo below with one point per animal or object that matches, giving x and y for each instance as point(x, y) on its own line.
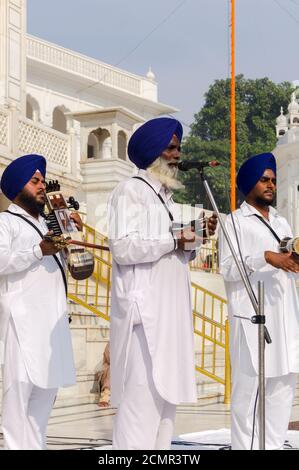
point(259, 318)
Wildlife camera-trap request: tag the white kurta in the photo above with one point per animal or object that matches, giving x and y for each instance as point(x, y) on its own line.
point(150, 279)
point(281, 301)
point(32, 293)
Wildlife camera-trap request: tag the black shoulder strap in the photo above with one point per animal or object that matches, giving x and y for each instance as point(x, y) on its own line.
point(42, 236)
point(269, 227)
point(159, 196)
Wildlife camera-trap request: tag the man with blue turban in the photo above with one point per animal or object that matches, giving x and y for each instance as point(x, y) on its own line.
point(35, 341)
point(255, 230)
point(151, 336)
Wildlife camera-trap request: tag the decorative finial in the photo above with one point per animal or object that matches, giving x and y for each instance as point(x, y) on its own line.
point(150, 75)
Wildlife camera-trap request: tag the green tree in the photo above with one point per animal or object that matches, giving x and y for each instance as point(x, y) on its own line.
point(258, 104)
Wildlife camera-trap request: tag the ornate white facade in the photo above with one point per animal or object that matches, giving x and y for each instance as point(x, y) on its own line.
point(76, 111)
point(287, 155)
point(79, 113)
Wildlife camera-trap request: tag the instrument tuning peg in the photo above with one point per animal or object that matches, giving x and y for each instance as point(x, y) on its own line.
point(49, 186)
point(73, 203)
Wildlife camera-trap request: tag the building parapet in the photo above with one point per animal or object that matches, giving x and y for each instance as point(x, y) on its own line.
point(19, 135)
point(3, 128)
point(36, 138)
point(91, 69)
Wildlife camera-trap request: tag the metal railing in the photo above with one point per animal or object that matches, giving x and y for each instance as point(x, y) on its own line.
point(93, 236)
point(93, 293)
point(211, 336)
point(207, 259)
point(209, 313)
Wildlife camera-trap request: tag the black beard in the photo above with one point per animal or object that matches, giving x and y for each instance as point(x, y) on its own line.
point(29, 202)
point(262, 203)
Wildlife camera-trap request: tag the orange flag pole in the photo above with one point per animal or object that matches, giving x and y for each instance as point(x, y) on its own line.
point(233, 112)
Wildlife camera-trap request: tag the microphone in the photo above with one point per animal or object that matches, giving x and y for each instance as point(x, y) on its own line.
point(187, 165)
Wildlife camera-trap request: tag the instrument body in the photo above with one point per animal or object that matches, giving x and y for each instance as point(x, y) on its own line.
point(80, 262)
point(289, 245)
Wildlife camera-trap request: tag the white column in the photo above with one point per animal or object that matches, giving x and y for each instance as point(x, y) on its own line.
point(114, 138)
point(13, 53)
point(75, 148)
point(84, 142)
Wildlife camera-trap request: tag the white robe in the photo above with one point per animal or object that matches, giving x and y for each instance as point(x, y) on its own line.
point(281, 300)
point(32, 293)
point(150, 279)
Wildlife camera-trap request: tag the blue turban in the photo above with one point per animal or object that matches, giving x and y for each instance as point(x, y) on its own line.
point(17, 174)
point(151, 139)
point(253, 169)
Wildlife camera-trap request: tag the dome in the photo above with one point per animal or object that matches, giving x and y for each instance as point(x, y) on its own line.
point(282, 120)
point(293, 106)
point(151, 76)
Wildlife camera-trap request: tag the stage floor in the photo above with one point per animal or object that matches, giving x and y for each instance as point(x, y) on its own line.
point(200, 426)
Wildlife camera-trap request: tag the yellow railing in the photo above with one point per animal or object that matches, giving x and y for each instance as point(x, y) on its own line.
point(92, 236)
point(209, 313)
point(93, 293)
point(207, 259)
point(211, 336)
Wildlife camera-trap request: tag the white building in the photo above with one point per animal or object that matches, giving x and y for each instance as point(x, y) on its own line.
point(287, 155)
point(76, 111)
point(79, 113)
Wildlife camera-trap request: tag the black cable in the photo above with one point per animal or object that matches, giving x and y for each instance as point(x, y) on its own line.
point(203, 444)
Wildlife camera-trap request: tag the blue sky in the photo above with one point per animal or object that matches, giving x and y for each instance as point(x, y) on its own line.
point(185, 42)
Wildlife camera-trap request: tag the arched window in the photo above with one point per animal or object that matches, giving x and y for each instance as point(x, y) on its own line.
point(122, 145)
point(32, 108)
point(105, 144)
point(99, 144)
point(29, 110)
point(59, 119)
point(295, 120)
point(282, 132)
point(92, 146)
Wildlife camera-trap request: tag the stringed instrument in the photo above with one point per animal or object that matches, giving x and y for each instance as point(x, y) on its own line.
point(66, 236)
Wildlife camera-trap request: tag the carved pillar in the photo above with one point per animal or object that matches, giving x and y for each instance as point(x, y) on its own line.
point(13, 53)
point(114, 138)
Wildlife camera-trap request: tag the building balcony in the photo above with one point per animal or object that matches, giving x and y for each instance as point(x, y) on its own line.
point(89, 69)
point(19, 136)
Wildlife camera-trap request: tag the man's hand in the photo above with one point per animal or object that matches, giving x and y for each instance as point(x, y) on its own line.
point(48, 247)
point(211, 225)
point(188, 240)
point(77, 219)
point(284, 261)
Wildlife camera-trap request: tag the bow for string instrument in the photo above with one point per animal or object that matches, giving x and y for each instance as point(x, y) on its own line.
point(66, 236)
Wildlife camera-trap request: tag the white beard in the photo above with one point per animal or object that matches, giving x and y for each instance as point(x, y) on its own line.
point(167, 175)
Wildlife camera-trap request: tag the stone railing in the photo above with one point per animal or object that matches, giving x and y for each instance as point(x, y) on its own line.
point(35, 138)
point(19, 135)
point(70, 61)
point(3, 128)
